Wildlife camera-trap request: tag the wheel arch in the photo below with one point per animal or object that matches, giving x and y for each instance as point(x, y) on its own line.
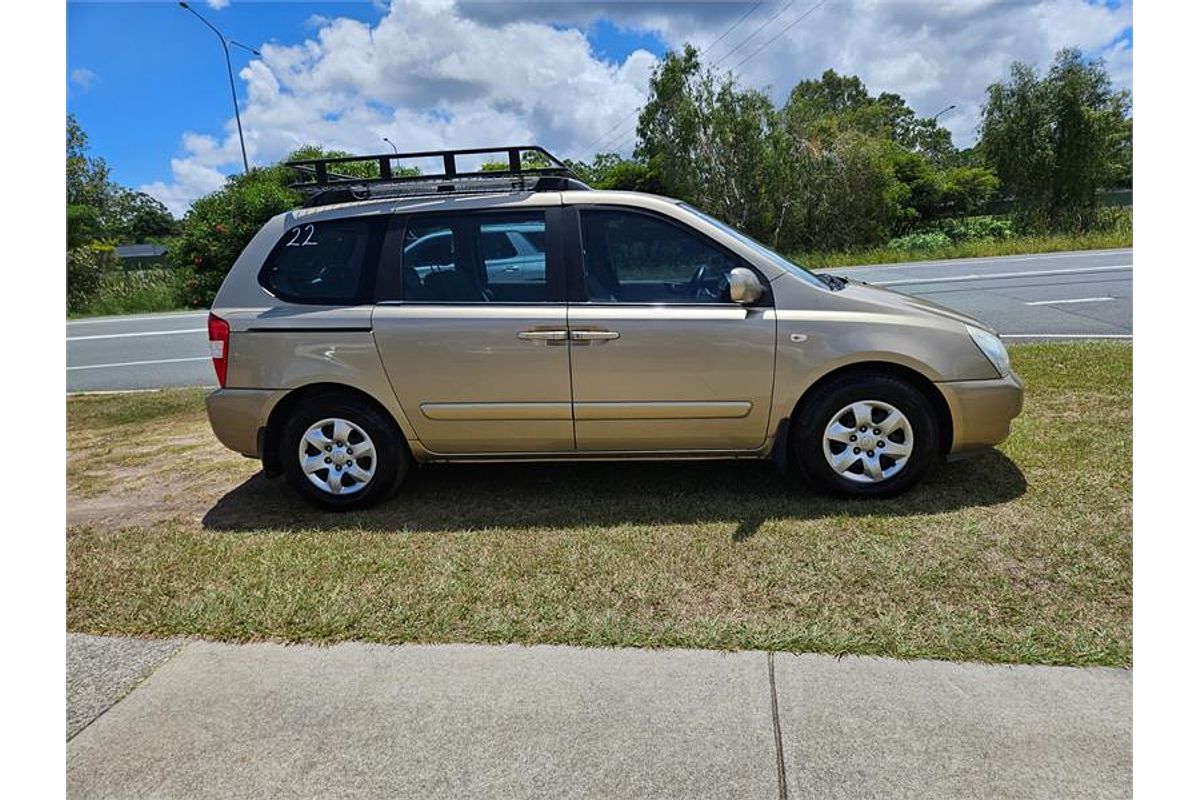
point(287, 404)
point(913, 377)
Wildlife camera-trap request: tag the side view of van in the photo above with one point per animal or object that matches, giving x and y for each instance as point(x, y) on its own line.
point(472, 315)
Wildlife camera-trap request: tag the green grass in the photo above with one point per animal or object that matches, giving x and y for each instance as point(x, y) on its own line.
point(1021, 556)
point(135, 292)
point(1017, 245)
point(92, 411)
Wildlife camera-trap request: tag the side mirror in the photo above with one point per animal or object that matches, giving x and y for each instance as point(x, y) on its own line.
point(744, 286)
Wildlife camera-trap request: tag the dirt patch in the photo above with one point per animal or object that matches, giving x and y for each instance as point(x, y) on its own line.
point(172, 469)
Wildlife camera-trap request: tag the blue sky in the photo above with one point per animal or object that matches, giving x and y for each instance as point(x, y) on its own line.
point(148, 83)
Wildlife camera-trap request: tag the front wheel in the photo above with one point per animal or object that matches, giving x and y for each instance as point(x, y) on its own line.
point(341, 453)
point(866, 436)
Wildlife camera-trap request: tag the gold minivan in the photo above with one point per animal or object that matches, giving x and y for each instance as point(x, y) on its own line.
point(482, 314)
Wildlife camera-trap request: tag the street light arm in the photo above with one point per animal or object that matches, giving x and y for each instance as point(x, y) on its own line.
point(206, 22)
point(244, 47)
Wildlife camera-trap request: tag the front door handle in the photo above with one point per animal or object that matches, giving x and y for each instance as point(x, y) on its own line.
point(593, 336)
point(543, 336)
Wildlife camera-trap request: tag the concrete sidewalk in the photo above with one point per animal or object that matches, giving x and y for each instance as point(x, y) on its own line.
point(359, 720)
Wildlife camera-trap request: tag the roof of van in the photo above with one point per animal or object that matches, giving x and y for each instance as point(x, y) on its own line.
point(450, 202)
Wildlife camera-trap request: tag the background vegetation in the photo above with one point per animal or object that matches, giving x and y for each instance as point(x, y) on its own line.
point(835, 176)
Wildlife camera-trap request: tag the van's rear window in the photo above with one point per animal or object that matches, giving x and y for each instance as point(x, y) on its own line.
point(322, 262)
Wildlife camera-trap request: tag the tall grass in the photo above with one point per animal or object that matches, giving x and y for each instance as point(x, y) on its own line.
point(136, 292)
point(978, 237)
point(1017, 245)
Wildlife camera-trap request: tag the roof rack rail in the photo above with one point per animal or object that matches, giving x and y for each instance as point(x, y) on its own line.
point(324, 184)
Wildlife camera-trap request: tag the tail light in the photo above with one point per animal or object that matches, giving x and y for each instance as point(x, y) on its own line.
point(218, 345)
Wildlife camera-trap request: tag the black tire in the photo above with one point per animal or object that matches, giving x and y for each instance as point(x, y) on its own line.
point(392, 460)
point(809, 429)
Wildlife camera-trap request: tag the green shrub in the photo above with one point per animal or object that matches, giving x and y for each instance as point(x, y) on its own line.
point(86, 267)
point(927, 240)
point(1115, 219)
point(972, 229)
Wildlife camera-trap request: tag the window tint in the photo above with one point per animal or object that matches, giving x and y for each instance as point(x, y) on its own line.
point(636, 258)
point(496, 244)
point(475, 258)
point(321, 262)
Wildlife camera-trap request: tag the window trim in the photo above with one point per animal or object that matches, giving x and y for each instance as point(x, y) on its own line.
point(364, 293)
point(577, 280)
point(390, 282)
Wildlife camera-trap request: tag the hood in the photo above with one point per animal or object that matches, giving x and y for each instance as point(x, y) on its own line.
point(879, 296)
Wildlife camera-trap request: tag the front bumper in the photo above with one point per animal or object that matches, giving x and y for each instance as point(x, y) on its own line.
point(237, 415)
point(981, 412)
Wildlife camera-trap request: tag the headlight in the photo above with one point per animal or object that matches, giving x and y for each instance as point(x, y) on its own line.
point(991, 346)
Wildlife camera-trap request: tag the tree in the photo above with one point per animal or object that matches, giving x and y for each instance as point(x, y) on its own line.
point(836, 103)
point(87, 177)
point(1053, 140)
point(611, 171)
point(706, 140)
point(133, 217)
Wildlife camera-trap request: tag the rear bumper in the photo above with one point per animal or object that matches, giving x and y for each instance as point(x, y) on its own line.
point(982, 411)
point(237, 415)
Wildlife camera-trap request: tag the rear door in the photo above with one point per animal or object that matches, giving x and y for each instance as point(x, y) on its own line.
point(661, 359)
point(476, 352)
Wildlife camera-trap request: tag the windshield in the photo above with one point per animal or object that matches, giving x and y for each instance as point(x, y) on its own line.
point(760, 248)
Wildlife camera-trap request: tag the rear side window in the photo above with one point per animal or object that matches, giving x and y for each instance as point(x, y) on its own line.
point(475, 258)
point(329, 262)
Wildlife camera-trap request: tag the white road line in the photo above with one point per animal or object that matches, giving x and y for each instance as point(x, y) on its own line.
point(1066, 336)
point(139, 333)
point(1072, 300)
point(996, 275)
point(137, 318)
point(141, 363)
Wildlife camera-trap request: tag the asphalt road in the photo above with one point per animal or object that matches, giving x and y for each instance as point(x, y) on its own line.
point(1053, 296)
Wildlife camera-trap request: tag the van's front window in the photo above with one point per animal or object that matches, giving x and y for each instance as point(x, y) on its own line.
point(790, 267)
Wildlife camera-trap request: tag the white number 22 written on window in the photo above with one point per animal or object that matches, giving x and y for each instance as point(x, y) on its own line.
point(295, 240)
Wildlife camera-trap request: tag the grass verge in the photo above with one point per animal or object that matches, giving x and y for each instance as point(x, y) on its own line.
point(1017, 245)
point(1022, 555)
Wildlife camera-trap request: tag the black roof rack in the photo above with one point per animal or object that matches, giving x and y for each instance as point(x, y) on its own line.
point(324, 184)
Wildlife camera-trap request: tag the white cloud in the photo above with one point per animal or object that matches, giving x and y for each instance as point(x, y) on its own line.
point(83, 78)
point(217, 5)
point(189, 180)
point(436, 73)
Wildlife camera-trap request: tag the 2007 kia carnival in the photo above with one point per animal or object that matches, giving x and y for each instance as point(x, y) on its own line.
point(518, 314)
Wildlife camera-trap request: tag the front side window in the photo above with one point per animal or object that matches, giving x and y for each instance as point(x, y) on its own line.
point(636, 258)
point(475, 258)
point(766, 252)
point(322, 262)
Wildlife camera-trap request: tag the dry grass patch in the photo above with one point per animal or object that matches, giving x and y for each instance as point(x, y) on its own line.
point(1022, 555)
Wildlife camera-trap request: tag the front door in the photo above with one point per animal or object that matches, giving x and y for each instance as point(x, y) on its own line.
point(661, 359)
point(475, 350)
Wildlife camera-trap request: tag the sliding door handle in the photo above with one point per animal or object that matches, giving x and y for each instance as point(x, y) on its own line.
point(543, 336)
point(594, 336)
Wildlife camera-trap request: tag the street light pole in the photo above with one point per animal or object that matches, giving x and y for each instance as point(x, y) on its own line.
point(393, 144)
point(943, 111)
point(232, 87)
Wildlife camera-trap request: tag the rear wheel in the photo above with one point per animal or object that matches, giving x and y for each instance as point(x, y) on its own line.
point(342, 453)
point(866, 436)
